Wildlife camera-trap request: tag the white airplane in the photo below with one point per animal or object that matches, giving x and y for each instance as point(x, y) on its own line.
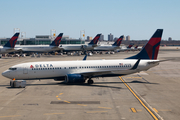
point(9, 46)
point(81, 47)
point(80, 71)
point(136, 48)
point(124, 48)
point(110, 47)
point(41, 48)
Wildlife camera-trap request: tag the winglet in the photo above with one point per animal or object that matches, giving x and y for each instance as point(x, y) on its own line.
point(135, 65)
point(11, 43)
point(95, 40)
point(57, 41)
point(118, 41)
point(151, 49)
point(85, 57)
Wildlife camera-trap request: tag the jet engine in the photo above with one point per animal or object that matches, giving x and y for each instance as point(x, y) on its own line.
point(83, 47)
point(74, 78)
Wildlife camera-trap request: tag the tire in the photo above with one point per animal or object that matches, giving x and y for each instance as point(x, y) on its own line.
point(90, 81)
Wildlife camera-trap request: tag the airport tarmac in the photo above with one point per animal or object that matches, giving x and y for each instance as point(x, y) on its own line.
point(148, 95)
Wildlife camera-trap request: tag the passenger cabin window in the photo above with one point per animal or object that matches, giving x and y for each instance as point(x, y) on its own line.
point(12, 68)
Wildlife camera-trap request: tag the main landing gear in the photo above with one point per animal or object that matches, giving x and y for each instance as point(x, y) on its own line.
point(90, 81)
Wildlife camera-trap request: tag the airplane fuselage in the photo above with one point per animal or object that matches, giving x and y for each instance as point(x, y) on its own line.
point(6, 50)
point(79, 47)
point(37, 48)
point(59, 69)
point(106, 48)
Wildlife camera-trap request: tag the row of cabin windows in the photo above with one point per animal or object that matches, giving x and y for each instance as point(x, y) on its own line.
point(46, 68)
point(105, 66)
point(84, 67)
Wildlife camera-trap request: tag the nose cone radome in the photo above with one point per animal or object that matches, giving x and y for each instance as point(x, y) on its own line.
point(5, 73)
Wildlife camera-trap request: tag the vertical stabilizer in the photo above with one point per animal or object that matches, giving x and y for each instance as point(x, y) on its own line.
point(151, 49)
point(95, 40)
point(57, 41)
point(118, 41)
point(11, 43)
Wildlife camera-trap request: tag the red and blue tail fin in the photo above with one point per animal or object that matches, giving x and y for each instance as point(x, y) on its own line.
point(95, 40)
point(130, 45)
point(11, 43)
point(57, 41)
point(118, 41)
point(151, 49)
point(136, 47)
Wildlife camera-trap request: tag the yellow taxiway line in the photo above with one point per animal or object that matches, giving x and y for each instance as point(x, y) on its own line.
point(142, 103)
point(10, 116)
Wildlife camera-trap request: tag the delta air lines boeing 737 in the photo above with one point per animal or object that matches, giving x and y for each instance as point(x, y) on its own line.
point(110, 47)
point(41, 48)
point(82, 47)
point(80, 71)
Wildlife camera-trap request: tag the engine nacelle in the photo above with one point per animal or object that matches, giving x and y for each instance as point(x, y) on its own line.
point(74, 78)
point(83, 47)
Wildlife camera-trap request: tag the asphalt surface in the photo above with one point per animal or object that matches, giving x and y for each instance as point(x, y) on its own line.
point(152, 94)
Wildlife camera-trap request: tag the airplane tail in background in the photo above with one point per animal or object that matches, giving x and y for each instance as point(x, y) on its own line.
point(136, 47)
point(151, 49)
point(57, 41)
point(118, 41)
point(11, 43)
point(130, 45)
point(95, 40)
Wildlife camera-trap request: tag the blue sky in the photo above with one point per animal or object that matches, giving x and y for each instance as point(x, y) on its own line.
point(136, 18)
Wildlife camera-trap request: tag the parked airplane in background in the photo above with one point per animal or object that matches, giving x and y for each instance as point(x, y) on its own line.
point(137, 48)
point(124, 48)
point(41, 48)
point(9, 46)
point(79, 71)
point(81, 47)
point(110, 47)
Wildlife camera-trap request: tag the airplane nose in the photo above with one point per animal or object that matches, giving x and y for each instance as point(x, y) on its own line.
point(5, 73)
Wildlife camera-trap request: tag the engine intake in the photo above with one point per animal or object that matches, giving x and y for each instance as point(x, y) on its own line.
point(74, 78)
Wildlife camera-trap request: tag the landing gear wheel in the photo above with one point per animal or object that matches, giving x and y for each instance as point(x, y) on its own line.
point(90, 81)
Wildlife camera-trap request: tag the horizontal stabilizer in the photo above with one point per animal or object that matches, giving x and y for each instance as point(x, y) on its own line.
point(153, 62)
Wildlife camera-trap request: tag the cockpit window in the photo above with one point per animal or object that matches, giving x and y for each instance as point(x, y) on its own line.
point(12, 68)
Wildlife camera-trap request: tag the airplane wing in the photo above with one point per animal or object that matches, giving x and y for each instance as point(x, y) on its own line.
point(18, 49)
point(12, 49)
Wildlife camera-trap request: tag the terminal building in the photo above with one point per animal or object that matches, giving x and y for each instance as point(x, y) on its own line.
point(42, 40)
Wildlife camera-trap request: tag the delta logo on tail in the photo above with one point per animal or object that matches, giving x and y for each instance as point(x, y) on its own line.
point(96, 39)
point(150, 50)
point(57, 41)
point(136, 47)
point(119, 40)
point(153, 45)
point(130, 45)
point(11, 43)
